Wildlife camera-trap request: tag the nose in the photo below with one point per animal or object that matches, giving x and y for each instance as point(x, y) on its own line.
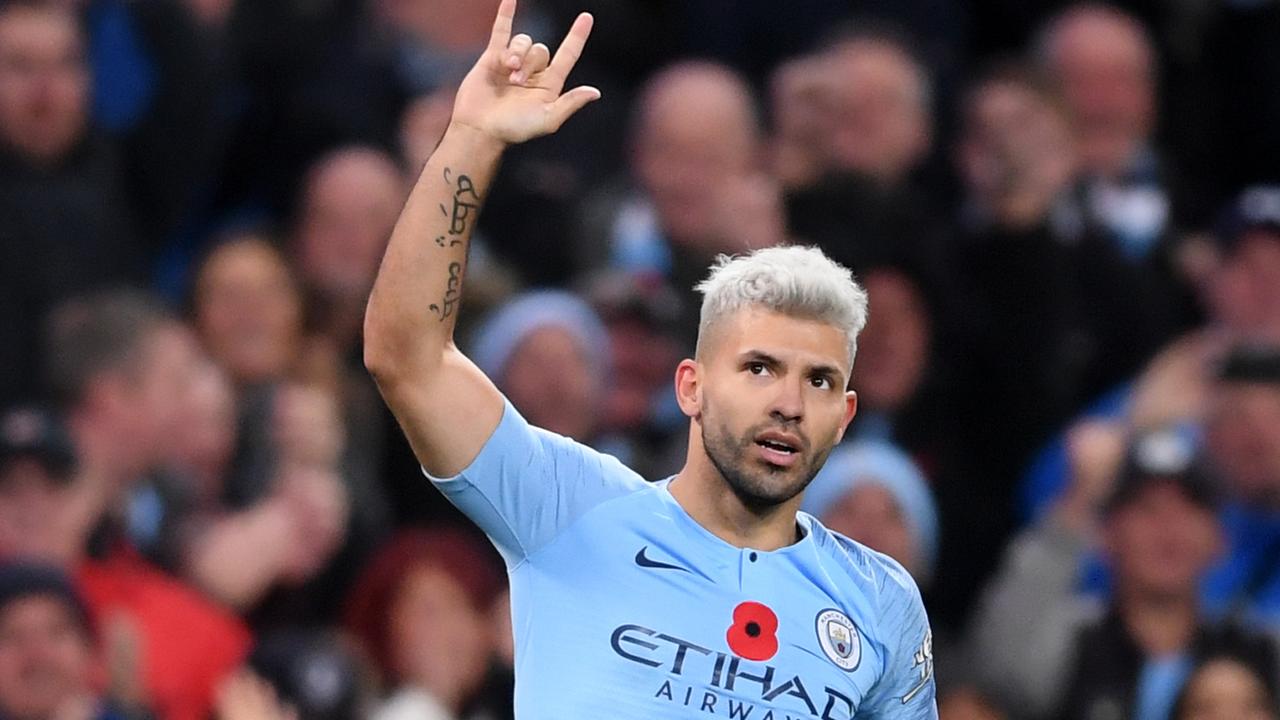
point(788, 404)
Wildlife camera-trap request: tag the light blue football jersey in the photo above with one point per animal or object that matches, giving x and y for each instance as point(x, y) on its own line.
point(625, 608)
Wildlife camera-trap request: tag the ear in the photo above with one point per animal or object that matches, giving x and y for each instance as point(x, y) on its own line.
point(689, 388)
point(850, 409)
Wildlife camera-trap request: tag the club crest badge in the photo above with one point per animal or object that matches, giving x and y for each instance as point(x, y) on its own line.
point(839, 638)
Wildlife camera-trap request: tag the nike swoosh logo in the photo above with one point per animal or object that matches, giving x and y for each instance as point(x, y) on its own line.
point(644, 561)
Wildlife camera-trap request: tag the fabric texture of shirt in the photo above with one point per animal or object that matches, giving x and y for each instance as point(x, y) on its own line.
point(625, 607)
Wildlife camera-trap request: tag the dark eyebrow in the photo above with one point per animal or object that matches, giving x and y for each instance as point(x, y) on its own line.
point(829, 370)
point(761, 356)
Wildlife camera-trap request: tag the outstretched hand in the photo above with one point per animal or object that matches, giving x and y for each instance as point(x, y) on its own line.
point(514, 92)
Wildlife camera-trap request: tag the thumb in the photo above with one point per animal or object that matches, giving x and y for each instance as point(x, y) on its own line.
point(569, 103)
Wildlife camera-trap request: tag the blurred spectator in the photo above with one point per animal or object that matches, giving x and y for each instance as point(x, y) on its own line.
point(67, 225)
point(119, 365)
point(47, 658)
point(549, 353)
point(853, 127)
point(420, 612)
point(871, 492)
point(1064, 310)
point(248, 310)
point(238, 552)
point(1242, 434)
point(349, 204)
point(697, 159)
point(880, 104)
point(37, 466)
point(1103, 63)
point(1039, 651)
point(1051, 317)
point(348, 207)
point(1226, 688)
point(297, 398)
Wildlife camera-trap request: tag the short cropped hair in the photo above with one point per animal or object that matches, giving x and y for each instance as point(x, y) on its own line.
point(791, 280)
point(97, 333)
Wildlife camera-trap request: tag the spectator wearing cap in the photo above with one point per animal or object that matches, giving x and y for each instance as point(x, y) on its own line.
point(47, 658)
point(420, 613)
point(1038, 650)
point(549, 352)
point(1242, 431)
point(37, 465)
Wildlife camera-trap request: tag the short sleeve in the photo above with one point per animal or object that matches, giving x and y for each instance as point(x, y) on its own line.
point(527, 485)
point(907, 688)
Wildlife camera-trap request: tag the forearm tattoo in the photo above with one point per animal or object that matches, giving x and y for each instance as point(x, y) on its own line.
point(466, 204)
point(463, 210)
point(452, 293)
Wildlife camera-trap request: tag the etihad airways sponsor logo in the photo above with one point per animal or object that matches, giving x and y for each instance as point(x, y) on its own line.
point(751, 691)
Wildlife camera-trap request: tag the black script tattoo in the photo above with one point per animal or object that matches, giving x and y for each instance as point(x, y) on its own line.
point(452, 293)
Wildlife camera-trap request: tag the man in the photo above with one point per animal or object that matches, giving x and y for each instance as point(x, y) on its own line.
point(705, 593)
point(65, 223)
point(37, 466)
point(696, 157)
point(46, 648)
point(1103, 65)
point(1242, 430)
point(861, 110)
point(1041, 651)
point(118, 364)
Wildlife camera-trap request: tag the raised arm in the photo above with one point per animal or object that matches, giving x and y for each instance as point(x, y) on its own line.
point(444, 404)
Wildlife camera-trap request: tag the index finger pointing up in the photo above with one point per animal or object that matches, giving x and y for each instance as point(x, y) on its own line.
point(501, 34)
point(571, 49)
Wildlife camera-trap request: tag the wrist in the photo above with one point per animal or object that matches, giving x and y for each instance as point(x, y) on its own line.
point(476, 138)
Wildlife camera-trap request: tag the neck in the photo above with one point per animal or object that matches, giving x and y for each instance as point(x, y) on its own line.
point(704, 493)
point(1160, 624)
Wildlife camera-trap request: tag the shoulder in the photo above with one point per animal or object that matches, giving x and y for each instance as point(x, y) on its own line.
point(879, 576)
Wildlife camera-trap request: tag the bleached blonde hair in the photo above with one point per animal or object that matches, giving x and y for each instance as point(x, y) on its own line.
point(791, 280)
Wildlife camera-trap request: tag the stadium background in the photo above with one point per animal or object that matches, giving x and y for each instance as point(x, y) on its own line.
point(1067, 217)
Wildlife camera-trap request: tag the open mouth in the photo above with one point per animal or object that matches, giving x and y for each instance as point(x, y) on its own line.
point(777, 446)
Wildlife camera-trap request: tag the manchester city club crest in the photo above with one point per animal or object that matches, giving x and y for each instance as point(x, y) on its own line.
point(839, 639)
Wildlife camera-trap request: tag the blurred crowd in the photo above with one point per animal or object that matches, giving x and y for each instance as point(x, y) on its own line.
point(1067, 218)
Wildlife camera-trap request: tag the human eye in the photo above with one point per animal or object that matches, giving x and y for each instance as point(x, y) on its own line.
point(822, 382)
point(755, 367)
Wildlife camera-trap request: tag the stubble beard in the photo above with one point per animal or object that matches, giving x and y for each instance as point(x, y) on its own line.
point(764, 486)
